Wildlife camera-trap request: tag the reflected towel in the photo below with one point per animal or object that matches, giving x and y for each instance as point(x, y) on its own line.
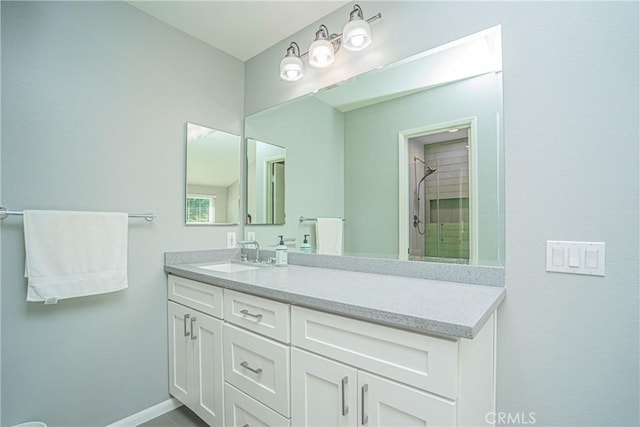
point(329, 236)
point(73, 254)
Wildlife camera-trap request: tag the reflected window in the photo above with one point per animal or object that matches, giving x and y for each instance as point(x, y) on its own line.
point(201, 209)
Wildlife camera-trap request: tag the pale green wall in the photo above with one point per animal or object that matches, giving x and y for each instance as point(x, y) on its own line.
point(567, 345)
point(314, 167)
point(371, 163)
point(95, 97)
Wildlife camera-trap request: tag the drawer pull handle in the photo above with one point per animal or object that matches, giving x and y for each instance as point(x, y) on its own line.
point(365, 418)
point(186, 317)
point(345, 407)
point(255, 316)
point(246, 425)
point(193, 331)
point(245, 365)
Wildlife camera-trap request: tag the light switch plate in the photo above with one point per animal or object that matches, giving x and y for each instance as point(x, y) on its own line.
point(231, 239)
point(575, 257)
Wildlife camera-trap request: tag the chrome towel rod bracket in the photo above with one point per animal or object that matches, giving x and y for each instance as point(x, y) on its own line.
point(303, 219)
point(4, 213)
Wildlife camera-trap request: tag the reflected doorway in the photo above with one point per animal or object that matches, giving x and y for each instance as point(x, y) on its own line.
point(438, 189)
point(275, 193)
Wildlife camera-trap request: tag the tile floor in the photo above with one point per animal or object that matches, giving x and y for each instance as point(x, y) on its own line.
point(179, 417)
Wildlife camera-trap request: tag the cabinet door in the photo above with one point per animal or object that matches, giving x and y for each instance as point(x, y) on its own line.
point(386, 403)
point(207, 361)
point(323, 392)
point(180, 353)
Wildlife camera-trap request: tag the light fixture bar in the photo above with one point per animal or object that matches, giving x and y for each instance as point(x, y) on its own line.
point(339, 36)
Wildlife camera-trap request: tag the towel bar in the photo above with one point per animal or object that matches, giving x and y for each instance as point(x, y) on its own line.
point(4, 212)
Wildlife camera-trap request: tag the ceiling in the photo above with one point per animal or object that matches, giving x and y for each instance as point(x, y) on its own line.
point(240, 28)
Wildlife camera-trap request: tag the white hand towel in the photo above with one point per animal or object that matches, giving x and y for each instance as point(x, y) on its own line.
point(329, 236)
point(73, 254)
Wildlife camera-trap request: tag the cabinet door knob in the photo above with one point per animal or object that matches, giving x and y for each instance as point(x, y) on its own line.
point(245, 365)
point(193, 331)
point(365, 418)
point(345, 407)
point(186, 317)
point(247, 313)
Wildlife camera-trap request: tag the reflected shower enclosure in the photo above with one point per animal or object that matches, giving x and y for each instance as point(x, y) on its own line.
point(439, 196)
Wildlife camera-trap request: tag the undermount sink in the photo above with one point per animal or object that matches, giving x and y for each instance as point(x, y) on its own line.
point(228, 267)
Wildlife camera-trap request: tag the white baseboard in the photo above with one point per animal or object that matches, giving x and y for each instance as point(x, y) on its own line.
point(148, 414)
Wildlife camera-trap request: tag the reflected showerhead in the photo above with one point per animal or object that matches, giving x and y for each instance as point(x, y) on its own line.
point(429, 171)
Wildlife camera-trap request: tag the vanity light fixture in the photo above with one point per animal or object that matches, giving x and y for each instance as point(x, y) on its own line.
point(355, 37)
point(322, 50)
point(357, 33)
point(291, 68)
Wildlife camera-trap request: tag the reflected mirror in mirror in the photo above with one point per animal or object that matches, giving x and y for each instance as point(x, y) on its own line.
point(410, 155)
point(265, 178)
point(212, 176)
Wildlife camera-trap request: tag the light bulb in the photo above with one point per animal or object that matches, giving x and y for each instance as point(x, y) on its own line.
point(357, 40)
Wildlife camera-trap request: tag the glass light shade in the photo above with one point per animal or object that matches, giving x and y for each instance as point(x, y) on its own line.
point(291, 68)
point(356, 35)
point(321, 53)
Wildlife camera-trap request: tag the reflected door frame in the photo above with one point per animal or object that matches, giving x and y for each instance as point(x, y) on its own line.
point(268, 210)
point(403, 182)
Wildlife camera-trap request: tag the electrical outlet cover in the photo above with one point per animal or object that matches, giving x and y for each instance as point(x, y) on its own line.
point(231, 239)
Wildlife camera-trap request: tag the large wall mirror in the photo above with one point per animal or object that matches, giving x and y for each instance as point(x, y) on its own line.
point(212, 176)
point(410, 156)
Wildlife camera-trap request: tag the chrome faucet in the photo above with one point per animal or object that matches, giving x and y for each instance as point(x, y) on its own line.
point(254, 243)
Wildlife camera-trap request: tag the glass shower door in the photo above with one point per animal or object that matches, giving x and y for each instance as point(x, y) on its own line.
point(446, 195)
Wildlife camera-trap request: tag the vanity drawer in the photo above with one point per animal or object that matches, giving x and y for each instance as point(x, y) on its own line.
point(258, 366)
point(199, 296)
point(264, 316)
point(241, 410)
point(422, 361)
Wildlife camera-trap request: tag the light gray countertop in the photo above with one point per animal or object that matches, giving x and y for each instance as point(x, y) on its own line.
point(437, 307)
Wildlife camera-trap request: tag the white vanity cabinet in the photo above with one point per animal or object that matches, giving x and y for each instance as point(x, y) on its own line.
point(195, 348)
point(265, 363)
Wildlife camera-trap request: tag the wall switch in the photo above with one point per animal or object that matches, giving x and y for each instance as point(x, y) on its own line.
point(557, 256)
point(575, 257)
point(231, 239)
point(251, 235)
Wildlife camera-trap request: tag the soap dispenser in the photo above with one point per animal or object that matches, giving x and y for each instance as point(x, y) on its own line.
point(281, 253)
point(305, 247)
